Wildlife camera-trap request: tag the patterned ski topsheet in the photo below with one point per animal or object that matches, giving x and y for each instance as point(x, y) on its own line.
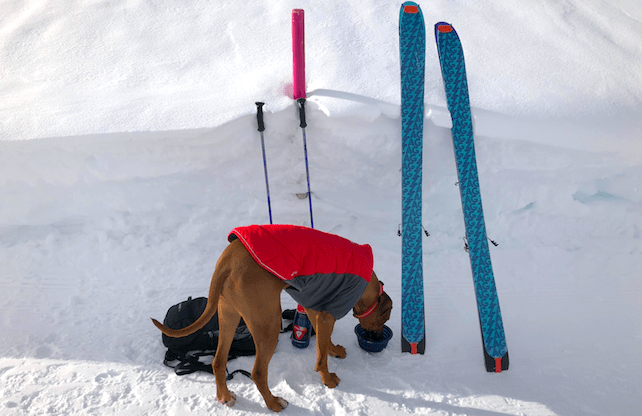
point(412, 45)
point(453, 69)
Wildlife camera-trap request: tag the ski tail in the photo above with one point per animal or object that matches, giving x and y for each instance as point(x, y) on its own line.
point(495, 364)
point(413, 347)
point(495, 361)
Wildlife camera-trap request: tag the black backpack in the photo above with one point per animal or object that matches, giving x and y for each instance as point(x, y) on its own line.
point(183, 353)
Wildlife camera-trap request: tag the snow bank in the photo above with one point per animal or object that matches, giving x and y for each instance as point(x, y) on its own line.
point(88, 68)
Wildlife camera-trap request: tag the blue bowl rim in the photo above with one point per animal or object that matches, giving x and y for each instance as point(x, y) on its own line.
point(359, 331)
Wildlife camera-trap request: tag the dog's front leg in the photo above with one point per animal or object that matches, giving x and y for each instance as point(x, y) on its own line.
point(336, 351)
point(324, 327)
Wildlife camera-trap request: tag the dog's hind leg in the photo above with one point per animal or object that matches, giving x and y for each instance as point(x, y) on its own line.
point(265, 332)
point(228, 319)
point(259, 301)
point(256, 294)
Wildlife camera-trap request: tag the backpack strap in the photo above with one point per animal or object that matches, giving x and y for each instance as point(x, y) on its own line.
point(189, 363)
point(231, 375)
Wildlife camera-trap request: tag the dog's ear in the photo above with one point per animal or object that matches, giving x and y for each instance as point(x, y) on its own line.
point(385, 307)
point(375, 321)
point(385, 304)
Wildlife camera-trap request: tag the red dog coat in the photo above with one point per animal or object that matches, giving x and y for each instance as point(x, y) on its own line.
point(325, 272)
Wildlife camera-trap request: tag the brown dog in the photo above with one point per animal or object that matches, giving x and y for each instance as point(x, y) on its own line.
point(242, 288)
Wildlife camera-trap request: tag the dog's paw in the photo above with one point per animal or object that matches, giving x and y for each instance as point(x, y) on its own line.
point(330, 379)
point(230, 401)
point(338, 351)
point(278, 404)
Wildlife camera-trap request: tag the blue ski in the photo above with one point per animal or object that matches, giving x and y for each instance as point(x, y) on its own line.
point(453, 69)
point(412, 47)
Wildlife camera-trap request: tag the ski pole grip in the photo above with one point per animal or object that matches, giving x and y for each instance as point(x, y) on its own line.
point(301, 102)
point(259, 115)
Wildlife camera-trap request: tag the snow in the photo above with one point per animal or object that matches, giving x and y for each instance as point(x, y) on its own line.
point(128, 150)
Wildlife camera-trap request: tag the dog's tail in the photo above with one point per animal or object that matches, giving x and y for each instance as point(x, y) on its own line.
point(220, 275)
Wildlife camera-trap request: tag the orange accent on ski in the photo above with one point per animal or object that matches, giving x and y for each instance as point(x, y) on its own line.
point(498, 365)
point(413, 348)
point(445, 28)
point(411, 9)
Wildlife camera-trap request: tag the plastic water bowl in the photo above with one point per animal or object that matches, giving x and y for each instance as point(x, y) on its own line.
point(372, 345)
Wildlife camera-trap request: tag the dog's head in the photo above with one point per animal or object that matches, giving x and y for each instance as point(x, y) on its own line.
point(375, 321)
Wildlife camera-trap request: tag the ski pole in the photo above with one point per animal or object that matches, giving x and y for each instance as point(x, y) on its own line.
point(259, 119)
point(298, 73)
point(303, 125)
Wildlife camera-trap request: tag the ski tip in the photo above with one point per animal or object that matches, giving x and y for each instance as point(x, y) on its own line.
point(444, 27)
point(410, 8)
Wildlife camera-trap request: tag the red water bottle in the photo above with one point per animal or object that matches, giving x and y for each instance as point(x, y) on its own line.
point(302, 328)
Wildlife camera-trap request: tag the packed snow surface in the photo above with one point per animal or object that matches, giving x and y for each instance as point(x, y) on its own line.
point(128, 151)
